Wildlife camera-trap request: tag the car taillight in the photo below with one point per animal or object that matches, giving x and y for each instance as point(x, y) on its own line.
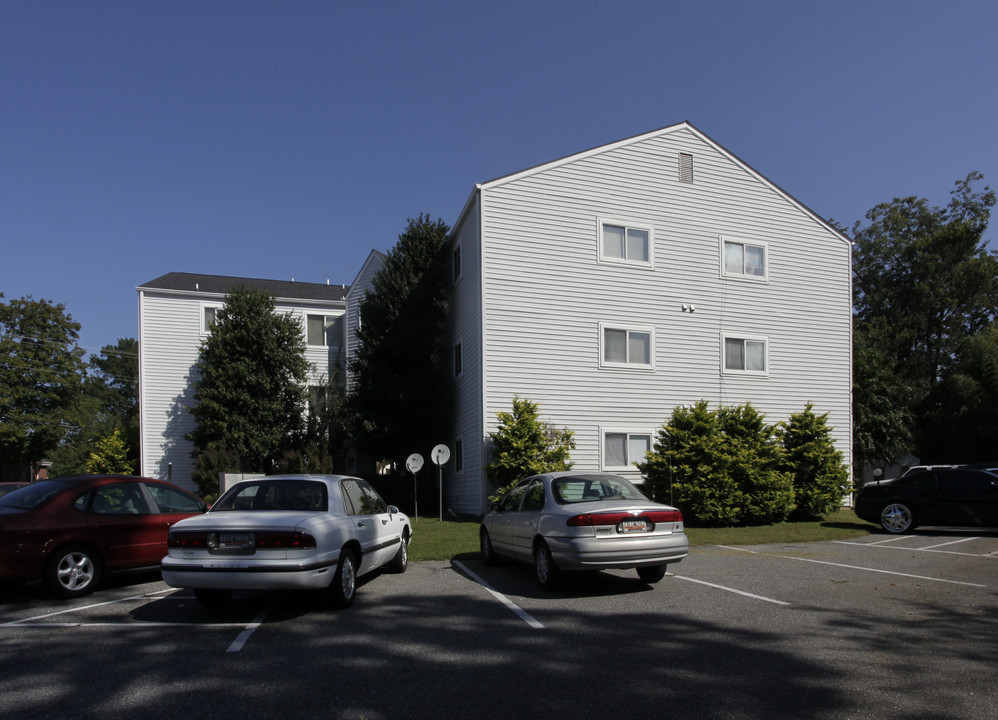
point(187, 540)
point(284, 541)
point(614, 518)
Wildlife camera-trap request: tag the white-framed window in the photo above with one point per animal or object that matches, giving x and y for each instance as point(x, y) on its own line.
point(744, 259)
point(626, 243)
point(622, 448)
point(458, 358)
point(324, 330)
point(208, 315)
point(745, 354)
point(456, 263)
point(625, 346)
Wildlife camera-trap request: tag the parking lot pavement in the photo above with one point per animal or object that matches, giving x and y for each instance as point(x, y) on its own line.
point(878, 627)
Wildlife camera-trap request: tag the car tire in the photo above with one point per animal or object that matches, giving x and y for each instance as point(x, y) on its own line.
point(652, 574)
point(344, 585)
point(400, 562)
point(212, 599)
point(897, 518)
point(72, 571)
point(489, 556)
point(548, 574)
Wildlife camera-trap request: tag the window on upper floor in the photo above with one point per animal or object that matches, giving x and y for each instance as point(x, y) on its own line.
point(745, 355)
point(458, 455)
point(458, 359)
point(621, 242)
point(626, 347)
point(623, 449)
point(208, 316)
point(744, 259)
point(324, 330)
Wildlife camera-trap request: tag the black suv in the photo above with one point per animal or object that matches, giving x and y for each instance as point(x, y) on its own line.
point(951, 495)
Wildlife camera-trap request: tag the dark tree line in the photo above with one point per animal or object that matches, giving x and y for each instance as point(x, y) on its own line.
point(925, 339)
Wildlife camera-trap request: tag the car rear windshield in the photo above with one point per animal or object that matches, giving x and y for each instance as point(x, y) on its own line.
point(590, 488)
point(34, 495)
point(271, 495)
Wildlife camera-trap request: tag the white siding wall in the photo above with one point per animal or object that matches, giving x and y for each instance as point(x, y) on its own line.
point(361, 285)
point(169, 344)
point(465, 488)
point(545, 294)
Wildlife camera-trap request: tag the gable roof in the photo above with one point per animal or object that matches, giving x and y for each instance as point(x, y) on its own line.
point(221, 284)
point(685, 125)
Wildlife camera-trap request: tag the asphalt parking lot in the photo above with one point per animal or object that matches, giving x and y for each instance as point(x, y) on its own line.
point(885, 627)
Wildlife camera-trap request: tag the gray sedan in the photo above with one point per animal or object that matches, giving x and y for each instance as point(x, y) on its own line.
point(583, 521)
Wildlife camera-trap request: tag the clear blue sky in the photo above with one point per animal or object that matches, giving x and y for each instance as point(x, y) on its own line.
point(289, 139)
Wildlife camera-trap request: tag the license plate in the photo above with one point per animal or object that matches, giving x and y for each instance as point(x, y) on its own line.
point(236, 541)
point(633, 526)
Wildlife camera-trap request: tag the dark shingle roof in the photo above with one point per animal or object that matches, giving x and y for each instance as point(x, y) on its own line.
point(193, 282)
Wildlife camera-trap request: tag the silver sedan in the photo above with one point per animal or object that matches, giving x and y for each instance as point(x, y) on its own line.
point(583, 521)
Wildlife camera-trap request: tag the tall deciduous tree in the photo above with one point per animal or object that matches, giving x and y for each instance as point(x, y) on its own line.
point(923, 282)
point(524, 445)
point(109, 403)
point(399, 396)
point(250, 394)
point(41, 377)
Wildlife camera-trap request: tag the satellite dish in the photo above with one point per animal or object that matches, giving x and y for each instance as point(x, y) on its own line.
point(414, 463)
point(440, 455)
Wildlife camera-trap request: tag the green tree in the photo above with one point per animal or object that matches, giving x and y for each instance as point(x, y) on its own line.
point(250, 392)
point(324, 444)
point(720, 467)
point(109, 402)
point(399, 399)
point(41, 378)
point(960, 423)
point(524, 445)
point(923, 282)
point(820, 477)
point(110, 456)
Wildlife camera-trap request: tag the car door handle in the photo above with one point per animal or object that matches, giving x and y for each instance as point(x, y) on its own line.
point(361, 524)
point(384, 522)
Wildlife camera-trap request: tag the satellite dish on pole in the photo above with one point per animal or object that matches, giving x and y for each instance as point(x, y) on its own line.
point(440, 455)
point(414, 463)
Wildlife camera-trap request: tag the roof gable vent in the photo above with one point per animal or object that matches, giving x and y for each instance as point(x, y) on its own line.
point(685, 167)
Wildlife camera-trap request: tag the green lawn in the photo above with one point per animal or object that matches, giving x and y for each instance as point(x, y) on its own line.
point(435, 540)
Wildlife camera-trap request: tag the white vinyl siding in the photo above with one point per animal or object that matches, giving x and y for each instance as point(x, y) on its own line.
point(542, 297)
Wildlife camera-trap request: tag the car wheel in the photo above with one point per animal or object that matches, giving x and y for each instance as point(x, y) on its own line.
point(344, 585)
point(213, 599)
point(652, 574)
point(489, 556)
point(897, 517)
point(72, 571)
point(548, 574)
point(401, 560)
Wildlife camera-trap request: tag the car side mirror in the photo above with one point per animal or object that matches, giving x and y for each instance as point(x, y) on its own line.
point(392, 510)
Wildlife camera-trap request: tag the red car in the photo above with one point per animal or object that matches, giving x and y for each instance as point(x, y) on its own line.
point(72, 531)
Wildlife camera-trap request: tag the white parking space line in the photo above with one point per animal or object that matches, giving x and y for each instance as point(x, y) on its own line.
point(729, 589)
point(248, 631)
point(32, 620)
point(520, 612)
point(877, 570)
point(951, 542)
point(931, 549)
